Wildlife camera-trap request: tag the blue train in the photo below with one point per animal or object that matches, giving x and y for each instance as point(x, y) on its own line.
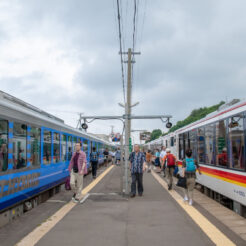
point(35, 150)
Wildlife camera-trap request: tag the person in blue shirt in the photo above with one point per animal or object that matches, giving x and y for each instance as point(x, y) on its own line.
point(137, 167)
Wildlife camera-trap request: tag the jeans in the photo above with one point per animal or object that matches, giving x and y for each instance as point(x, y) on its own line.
point(137, 178)
point(94, 168)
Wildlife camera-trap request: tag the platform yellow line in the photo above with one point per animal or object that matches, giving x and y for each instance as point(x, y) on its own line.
point(209, 229)
point(33, 237)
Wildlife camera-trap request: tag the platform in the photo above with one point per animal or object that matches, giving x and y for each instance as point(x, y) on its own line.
point(157, 218)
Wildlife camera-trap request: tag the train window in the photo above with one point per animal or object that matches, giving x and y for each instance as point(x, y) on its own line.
point(3, 145)
point(236, 142)
point(210, 145)
point(63, 147)
point(193, 143)
point(172, 141)
point(19, 145)
point(221, 149)
point(56, 147)
point(47, 147)
point(70, 150)
point(74, 143)
point(181, 147)
point(201, 145)
point(35, 146)
point(85, 146)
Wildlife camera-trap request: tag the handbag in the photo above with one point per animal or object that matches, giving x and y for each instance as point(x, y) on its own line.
point(181, 182)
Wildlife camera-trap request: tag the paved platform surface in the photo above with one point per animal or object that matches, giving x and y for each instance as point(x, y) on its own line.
point(154, 219)
point(106, 218)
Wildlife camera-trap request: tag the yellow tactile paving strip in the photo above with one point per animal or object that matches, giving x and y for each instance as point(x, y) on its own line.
point(33, 237)
point(217, 237)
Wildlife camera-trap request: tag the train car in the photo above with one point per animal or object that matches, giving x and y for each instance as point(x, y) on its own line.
point(35, 150)
point(218, 144)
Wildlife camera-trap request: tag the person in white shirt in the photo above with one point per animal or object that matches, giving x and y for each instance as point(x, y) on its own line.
point(162, 154)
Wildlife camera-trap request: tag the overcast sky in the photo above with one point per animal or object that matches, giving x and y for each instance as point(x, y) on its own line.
point(62, 56)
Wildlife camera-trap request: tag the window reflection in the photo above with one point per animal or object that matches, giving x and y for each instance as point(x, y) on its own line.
point(70, 151)
point(47, 147)
point(3, 145)
point(19, 145)
point(63, 147)
point(209, 140)
point(201, 144)
point(221, 149)
point(236, 142)
point(56, 147)
point(35, 146)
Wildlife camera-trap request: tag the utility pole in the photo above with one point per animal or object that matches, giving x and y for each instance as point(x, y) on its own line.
point(128, 110)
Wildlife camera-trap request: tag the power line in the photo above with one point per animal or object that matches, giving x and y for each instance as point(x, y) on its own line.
point(121, 56)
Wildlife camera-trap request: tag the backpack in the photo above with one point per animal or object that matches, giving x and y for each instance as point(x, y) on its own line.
point(170, 160)
point(94, 156)
point(190, 165)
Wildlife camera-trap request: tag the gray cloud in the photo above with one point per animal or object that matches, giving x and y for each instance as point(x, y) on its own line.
point(64, 55)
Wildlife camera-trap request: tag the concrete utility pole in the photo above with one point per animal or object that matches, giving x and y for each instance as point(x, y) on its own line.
point(128, 106)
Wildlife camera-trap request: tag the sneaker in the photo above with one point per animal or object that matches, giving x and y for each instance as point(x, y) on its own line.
point(76, 200)
point(169, 187)
point(186, 199)
point(190, 202)
point(140, 194)
point(73, 199)
point(133, 195)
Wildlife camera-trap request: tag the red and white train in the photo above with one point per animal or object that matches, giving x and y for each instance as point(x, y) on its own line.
point(218, 144)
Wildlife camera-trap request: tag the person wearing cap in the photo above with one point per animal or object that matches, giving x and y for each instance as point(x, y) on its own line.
point(222, 158)
point(171, 160)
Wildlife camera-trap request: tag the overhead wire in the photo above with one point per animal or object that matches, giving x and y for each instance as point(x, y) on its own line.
point(120, 41)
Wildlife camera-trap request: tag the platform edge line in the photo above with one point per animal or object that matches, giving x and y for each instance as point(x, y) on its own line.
point(34, 236)
point(217, 237)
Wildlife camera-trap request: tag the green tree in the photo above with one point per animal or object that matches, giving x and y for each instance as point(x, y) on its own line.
point(195, 115)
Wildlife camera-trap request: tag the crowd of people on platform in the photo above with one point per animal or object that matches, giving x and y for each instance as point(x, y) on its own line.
point(139, 161)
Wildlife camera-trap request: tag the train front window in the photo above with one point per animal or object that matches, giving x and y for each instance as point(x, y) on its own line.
point(56, 147)
point(35, 146)
point(210, 145)
point(19, 145)
point(47, 147)
point(221, 146)
point(201, 145)
point(236, 142)
point(3, 145)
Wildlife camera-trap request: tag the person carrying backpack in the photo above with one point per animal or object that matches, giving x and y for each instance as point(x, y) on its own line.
point(170, 160)
point(190, 166)
point(94, 162)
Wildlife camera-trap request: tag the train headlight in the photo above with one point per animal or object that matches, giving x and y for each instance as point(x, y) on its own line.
point(84, 126)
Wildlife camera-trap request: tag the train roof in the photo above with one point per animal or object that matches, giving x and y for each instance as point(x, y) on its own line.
point(16, 105)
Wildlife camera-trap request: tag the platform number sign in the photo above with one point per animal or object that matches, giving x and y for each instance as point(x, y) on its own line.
point(130, 145)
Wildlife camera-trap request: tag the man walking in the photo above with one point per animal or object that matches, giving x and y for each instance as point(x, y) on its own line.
point(77, 168)
point(137, 162)
point(94, 162)
point(171, 162)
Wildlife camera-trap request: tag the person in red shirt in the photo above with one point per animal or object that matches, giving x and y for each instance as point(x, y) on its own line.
point(171, 162)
